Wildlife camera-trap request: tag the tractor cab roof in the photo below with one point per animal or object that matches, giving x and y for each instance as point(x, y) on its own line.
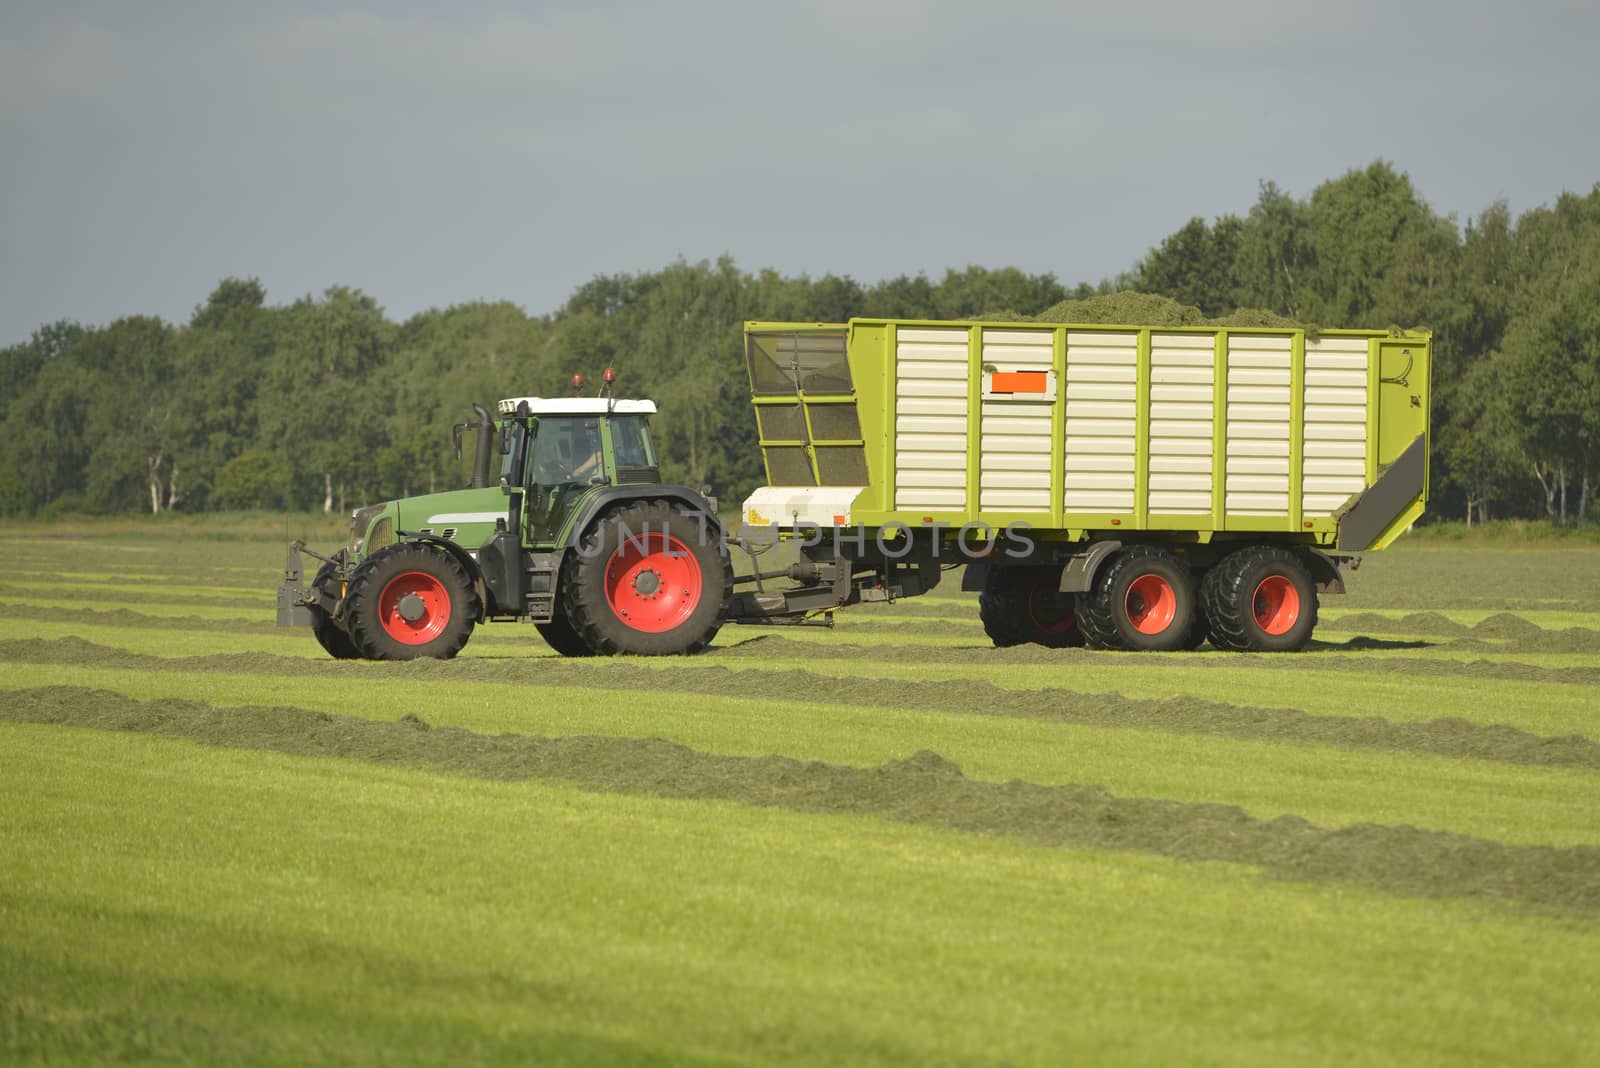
point(578, 406)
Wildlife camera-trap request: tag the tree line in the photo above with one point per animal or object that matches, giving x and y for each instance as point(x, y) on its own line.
point(326, 402)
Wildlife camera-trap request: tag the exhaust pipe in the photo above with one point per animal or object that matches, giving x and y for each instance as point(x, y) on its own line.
point(480, 460)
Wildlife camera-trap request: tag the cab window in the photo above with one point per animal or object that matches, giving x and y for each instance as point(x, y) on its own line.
point(630, 437)
point(567, 449)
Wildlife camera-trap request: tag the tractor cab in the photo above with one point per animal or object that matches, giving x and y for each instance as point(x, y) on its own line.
point(558, 449)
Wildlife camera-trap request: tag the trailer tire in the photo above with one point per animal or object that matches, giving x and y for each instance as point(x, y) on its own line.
point(1143, 600)
point(409, 601)
point(1199, 626)
point(1022, 605)
point(1260, 599)
point(560, 635)
point(648, 579)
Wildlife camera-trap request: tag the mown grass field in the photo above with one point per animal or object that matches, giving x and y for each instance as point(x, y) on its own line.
point(881, 843)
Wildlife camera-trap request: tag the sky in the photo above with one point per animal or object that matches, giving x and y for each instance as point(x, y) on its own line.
point(434, 154)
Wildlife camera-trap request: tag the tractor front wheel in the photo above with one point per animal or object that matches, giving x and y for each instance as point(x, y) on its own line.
point(409, 601)
point(650, 579)
point(332, 637)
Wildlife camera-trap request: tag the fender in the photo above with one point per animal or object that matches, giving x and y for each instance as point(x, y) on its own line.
point(1078, 575)
point(611, 496)
point(1324, 570)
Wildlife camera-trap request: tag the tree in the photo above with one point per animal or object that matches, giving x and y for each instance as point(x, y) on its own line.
point(1553, 387)
point(1197, 265)
point(1276, 259)
point(326, 394)
point(1359, 223)
point(1480, 444)
point(254, 479)
point(137, 409)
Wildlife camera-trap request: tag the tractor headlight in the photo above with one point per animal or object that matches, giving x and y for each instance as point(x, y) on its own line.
point(360, 520)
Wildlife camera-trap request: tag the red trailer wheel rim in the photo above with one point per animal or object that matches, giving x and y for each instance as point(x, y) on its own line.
point(1276, 604)
point(1049, 610)
point(429, 612)
point(1151, 603)
point(653, 583)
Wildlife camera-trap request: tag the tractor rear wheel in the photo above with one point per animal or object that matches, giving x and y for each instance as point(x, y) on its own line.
point(1025, 604)
point(409, 601)
point(649, 579)
point(1143, 599)
point(1260, 599)
point(560, 635)
point(332, 637)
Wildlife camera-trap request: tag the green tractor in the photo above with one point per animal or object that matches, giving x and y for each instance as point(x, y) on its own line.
point(579, 537)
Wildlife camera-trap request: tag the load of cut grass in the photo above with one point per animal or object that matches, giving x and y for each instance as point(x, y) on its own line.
point(1124, 308)
point(1129, 307)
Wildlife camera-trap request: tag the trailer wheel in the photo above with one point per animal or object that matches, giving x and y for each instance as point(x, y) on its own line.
point(560, 634)
point(332, 637)
point(1199, 626)
point(1020, 605)
point(1143, 599)
point(409, 601)
point(1260, 599)
point(649, 579)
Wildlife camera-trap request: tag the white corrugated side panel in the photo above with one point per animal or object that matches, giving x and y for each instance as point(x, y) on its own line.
point(1182, 370)
point(1014, 446)
point(1335, 456)
point(1257, 481)
point(1102, 392)
point(930, 426)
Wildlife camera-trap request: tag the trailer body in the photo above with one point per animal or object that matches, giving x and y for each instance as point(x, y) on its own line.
point(1185, 433)
point(1124, 486)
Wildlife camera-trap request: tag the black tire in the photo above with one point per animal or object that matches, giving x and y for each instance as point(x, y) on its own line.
point(1260, 599)
point(332, 637)
point(1143, 599)
point(561, 635)
point(1199, 626)
point(1021, 605)
point(395, 582)
point(629, 589)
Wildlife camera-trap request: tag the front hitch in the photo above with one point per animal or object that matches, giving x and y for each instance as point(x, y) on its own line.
point(295, 598)
point(292, 608)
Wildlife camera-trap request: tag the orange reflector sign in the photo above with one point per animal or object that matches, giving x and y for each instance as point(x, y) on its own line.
point(1019, 382)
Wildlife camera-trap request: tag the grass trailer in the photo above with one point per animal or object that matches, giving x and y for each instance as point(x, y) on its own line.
point(1128, 487)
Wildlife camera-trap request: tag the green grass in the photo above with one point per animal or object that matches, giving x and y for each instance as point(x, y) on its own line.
point(163, 901)
point(1333, 787)
point(222, 906)
point(1507, 533)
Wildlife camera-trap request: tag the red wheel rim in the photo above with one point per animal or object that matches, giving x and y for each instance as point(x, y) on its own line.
point(1050, 610)
point(1276, 604)
point(653, 583)
point(414, 608)
point(1151, 603)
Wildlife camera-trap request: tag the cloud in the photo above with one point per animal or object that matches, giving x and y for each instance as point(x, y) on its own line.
point(445, 53)
point(64, 62)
